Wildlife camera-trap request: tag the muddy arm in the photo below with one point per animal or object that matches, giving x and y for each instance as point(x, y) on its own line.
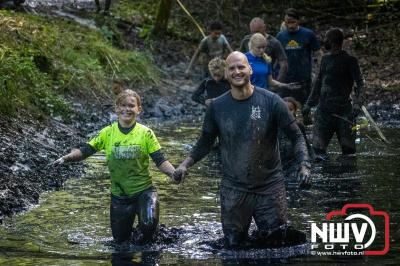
point(293, 132)
point(162, 164)
point(75, 155)
point(167, 168)
point(202, 147)
point(194, 58)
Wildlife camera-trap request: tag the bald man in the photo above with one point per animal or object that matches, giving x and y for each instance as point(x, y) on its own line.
point(274, 49)
point(246, 120)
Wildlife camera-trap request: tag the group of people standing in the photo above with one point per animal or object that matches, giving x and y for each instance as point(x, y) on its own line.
point(247, 118)
point(284, 66)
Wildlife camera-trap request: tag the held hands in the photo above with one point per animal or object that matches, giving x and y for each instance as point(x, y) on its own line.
point(304, 177)
point(179, 174)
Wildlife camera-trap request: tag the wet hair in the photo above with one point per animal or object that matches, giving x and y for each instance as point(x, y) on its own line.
point(127, 93)
point(293, 101)
point(293, 13)
point(334, 36)
point(255, 24)
point(258, 38)
point(216, 64)
point(215, 25)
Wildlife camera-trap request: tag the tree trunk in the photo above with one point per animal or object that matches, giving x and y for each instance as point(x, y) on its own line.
point(163, 13)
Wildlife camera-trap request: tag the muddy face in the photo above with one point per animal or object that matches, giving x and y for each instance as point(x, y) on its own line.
point(128, 110)
point(259, 49)
point(238, 70)
point(218, 74)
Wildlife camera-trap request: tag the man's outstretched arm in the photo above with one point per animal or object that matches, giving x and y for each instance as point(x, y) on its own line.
point(202, 147)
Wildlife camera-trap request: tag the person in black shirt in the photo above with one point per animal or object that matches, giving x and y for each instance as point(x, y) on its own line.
point(246, 121)
point(212, 87)
point(332, 90)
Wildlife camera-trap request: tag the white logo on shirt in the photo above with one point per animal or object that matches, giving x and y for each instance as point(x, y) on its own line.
point(126, 152)
point(255, 113)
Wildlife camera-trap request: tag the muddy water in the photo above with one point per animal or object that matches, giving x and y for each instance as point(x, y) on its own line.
point(71, 226)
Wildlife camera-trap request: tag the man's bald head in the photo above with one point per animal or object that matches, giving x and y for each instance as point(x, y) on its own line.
point(257, 25)
point(236, 55)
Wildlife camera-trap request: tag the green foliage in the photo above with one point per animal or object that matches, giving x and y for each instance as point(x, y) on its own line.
point(142, 11)
point(138, 12)
point(41, 59)
point(106, 32)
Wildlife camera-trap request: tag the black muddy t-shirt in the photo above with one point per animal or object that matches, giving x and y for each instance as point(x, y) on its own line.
point(247, 131)
point(334, 84)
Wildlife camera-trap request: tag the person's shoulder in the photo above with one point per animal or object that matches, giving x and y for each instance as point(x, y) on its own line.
point(272, 39)
point(264, 93)
point(109, 127)
point(222, 39)
point(281, 33)
point(347, 55)
point(206, 80)
point(306, 31)
point(273, 97)
point(205, 39)
point(105, 131)
point(142, 128)
point(226, 96)
point(249, 55)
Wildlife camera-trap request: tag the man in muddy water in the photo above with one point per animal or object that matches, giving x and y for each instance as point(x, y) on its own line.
point(336, 109)
point(246, 121)
point(299, 44)
point(273, 49)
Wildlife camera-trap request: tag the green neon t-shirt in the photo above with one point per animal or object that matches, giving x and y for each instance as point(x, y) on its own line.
point(127, 157)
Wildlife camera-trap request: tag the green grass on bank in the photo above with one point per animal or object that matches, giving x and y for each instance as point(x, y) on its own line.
point(43, 59)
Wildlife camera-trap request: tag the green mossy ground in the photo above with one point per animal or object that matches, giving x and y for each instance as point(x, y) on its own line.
point(45, 59)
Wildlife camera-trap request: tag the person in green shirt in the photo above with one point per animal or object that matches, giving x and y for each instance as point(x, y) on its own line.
point(128, 145)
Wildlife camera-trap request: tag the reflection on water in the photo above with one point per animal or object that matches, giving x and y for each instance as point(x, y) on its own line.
point(71, 227)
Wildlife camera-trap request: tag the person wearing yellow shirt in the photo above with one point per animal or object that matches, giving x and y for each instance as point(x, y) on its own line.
point(128, 146)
